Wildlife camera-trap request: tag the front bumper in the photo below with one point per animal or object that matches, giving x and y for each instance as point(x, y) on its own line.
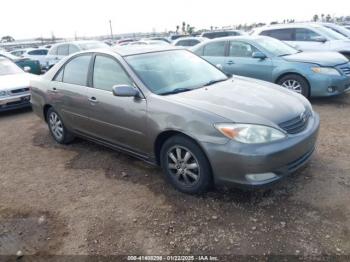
point(14, 102)
point(231, 162)
point(320, 85)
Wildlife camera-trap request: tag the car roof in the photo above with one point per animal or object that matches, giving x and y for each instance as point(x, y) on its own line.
point(237, 38)
point(142, 49)
point(290, 25)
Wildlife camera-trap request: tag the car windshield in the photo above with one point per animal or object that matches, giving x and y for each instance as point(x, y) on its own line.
point(339, 29)
point(9, 68)
point(330, 34)
point(92, 45)
point(276, 47)
point(170, 72)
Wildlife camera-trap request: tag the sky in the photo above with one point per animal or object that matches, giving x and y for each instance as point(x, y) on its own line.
point(67, 18)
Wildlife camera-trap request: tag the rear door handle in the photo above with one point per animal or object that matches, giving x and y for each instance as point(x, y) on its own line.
point(230, 62)
point(93, 99)
point(54, 90)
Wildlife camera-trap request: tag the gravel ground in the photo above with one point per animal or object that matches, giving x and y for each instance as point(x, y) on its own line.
point(88, 200)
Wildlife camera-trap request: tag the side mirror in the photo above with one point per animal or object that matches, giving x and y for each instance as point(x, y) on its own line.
point(258, 55)
point(26, 69)
point(125, 91)
point(321, 39)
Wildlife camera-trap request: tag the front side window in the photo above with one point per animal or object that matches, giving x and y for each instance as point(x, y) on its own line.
point(276, 47)
point(62, 50)
point(174, 71)
point(76, 70)
point(108, 73)
point(215, 49)
point(240, 49)
point(38, 52)
point(303, 34)
point(280, 34)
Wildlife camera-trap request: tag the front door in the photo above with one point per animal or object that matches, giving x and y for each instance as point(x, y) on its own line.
point(240, 62)
point(118, 120)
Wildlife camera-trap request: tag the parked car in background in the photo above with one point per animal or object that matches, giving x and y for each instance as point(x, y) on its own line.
point(159, 38)
point(337, 28)
point(347, 27)
point(14, 86)
point(61, 50)
point(148, 42)
point(189, 41)
point(125, 41)
point(170, 107)
point(32, 53)
point(221, 33)
point(308, 37)
point(29, 65)
point(176, 36)
point(308, 73)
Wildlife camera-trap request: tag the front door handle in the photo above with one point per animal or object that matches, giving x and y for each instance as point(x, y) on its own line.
point(93, 100)
point(230, 62)
point(54, 90)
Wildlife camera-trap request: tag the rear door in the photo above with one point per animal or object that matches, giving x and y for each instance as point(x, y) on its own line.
point(215, 52)
point(70, 93)
point(241, 62)
point(117, 120)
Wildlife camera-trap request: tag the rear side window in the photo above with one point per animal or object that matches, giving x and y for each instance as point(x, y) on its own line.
point(280, 34)
point(304, 34)
point(63, 50)
point(108, 73)
point(241, 49)
point(76, 70)
point(214, 49)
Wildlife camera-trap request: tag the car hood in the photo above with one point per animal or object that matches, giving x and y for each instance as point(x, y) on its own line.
point(8, 82)
point(246, 100)
point(319, 58)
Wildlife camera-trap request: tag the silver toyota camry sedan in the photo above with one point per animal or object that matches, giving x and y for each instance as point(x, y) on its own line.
point(170, 107)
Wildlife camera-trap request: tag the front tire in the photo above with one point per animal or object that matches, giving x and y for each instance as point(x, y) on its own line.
point(185, 165)
point(57, 129)
point(295, 83)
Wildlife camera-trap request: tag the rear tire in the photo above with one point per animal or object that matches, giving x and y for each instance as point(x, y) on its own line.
point(295, 83)
point(57, 129)
point(185, 165)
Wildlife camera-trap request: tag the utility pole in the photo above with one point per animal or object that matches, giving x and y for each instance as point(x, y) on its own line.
point(110, 26)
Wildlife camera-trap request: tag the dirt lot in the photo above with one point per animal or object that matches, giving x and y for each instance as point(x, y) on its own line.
point(86, 199)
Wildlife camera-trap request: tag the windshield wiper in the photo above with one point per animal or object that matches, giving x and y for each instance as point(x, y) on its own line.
point(211, 82)
point(176, 91)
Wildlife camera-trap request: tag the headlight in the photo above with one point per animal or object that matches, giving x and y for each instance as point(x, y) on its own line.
point(250, 134)
point(3, 93)
point(326, 71)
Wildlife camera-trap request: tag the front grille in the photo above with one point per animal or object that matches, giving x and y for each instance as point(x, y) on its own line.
point(297, 124)
point(19, 90)
point(345, 70)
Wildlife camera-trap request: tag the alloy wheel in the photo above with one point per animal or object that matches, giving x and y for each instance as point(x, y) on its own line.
point(183, 165)
point(292, 85)
point(56, 126)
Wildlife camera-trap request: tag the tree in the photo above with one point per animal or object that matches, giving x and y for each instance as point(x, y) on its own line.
point(7, 39)
point(328, 18)
point(322, 17)
point(177, 29)
point(315, 18)
point(183, 27)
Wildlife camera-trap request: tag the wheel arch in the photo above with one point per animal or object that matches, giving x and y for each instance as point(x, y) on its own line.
point(45, 110)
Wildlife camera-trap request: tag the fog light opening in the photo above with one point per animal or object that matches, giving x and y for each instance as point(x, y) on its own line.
point(260, 177)
point(331, 89)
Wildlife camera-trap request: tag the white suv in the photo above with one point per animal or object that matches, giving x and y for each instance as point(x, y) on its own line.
point(307, 37)
point(61, 50)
